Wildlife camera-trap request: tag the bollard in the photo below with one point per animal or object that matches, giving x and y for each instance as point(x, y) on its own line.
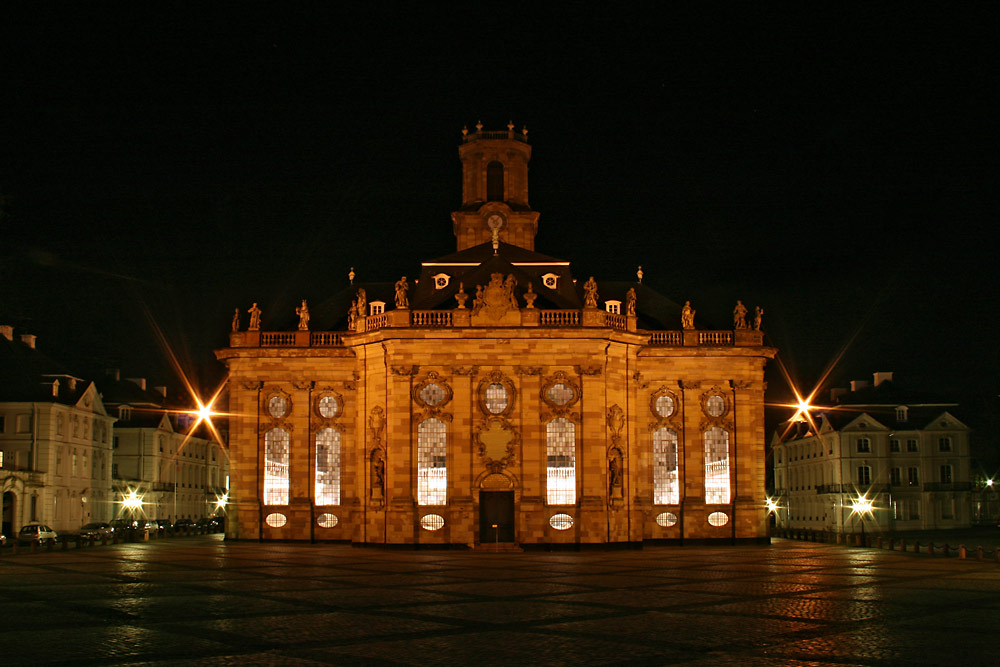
point(145, 535)
point(14, 548)
point(930, 548)
point(979, 552)
point(961, 552)
point(878, 542)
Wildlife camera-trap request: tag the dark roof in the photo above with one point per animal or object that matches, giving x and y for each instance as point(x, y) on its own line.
point(27, 374)
point(125, 392)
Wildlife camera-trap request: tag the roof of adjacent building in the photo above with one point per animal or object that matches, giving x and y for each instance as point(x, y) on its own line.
point(28, 374)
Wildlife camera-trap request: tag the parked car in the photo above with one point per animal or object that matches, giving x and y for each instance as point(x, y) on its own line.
point(3, 540)
point(211, 524)
point(38, 533)
point(163, 525)
point(185, 524)
point(97, 530)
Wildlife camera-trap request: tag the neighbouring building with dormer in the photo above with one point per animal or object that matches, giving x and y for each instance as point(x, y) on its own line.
point(908, 455)
point(55, 442)
point(177, 472)
point(496, 399)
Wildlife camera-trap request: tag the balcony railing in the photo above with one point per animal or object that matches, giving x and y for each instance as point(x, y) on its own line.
point(616, 321)
point(559, 318)
point(431, 318)
point(326, 339)
point(668, 338)
point(277, 338)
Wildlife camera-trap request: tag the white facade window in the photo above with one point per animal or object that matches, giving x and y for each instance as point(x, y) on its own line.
point(716, 466)
point(328, 467)
point(913, 476)
point(613, 307)
point(550, 280)
point(911, 445)
point(944, 444)
point(560, 486)
point(666, 485)
point(894, 445)
point(432, 466)
point(377, 307)
point(901, 413)
point(496, 398)
point(946, 474)
point(276, 477)
point(864, 445)
point(864, 475)
point(441, 280)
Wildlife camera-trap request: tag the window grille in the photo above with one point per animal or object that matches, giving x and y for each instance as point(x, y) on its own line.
point(328, 467)
point(560, 485)
point(716, 466)
point(666, 487)
point(432, 466)
point(276, 477)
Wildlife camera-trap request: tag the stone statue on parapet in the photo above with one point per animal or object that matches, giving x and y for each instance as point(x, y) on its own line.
point(352, 315)
point(590, 293)
point(687, 316)
point(758, 318)
point(362, 303)
point(303, 313)
point(402, 300)
point(739, 316)
point(236, 320)
point(630, 302)
point(254, 317)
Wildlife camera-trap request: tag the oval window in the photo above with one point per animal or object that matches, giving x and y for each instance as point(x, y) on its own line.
point(277, 406)
point(327, 520)
point(432, 394)
point(666, 519)
point(715, 405)
point(664, 406)
point(276, 520)
point(561, 521)
point(329, 406)
point(496, 398)
point(432, 522)
point(718, 519)
point(560, 394)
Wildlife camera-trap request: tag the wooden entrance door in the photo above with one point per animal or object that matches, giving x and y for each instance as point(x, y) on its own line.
point(496, 516)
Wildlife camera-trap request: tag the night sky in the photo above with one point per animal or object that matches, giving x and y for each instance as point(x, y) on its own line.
point(837, 166)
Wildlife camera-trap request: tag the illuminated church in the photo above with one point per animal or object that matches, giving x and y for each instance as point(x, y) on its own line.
point(496, 402)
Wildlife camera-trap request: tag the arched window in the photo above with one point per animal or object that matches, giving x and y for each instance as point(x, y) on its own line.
point(666, 486)
point(328, 467)
point(560, 437)
point(276, 476)
point(716, 466)
point(432, 465)
point(494, 181)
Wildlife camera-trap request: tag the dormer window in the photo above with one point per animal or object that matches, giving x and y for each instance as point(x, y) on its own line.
point(550, 280)
point(125, 412)
point(613, 307)
point(901, 413)
point(378, 307)
point(441, 280)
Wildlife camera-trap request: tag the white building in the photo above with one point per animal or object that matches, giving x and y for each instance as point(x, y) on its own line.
point(55, 442)
point(177, 473)
point(910, 458)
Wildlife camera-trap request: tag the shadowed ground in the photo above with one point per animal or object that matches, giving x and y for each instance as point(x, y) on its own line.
point(204, 601)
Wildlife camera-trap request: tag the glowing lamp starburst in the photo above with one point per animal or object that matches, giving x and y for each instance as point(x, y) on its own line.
point(132, 500)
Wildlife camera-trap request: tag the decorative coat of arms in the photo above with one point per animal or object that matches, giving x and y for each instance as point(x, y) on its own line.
point(497, 298)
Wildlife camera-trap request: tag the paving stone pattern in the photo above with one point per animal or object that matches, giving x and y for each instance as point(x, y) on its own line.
point(203, 601)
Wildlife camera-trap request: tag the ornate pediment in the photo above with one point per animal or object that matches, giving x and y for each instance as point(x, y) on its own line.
point(496, 299)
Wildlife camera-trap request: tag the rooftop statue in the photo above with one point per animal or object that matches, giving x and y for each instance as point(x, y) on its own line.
point(687, 316)
point(630, 302)
point(402, 300)
point(236, 320)
point(254, 318)
point(740, 316)
point(303, 313)
point(590, 293)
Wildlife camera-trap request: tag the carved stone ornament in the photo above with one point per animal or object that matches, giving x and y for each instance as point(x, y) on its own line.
point(550, 397)
point(639, 382)
point(672, 420)
point(497, 441)
point(420, 399)
point(269, 413)
point(377, 479)
point(462, 370)
point(497, 298)
point(376, 422)
point(616, 421)
point(616, 475)
point(304, 385)
point(322, 403)
point(528, 370)
point(587, 370)
point(742, 384)
point(491, 378)
point(405, 371)
point(252, 386)
point(690, 384)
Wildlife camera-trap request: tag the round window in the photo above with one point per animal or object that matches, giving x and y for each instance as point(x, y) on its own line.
point(329, 406)
point(277, 406)
point(666, 519)
point(496, 398)
point(718, 519)
point(664, 406)
point(276, 520)
point(432, 394)
point(432, 522)
point(715, 405)
point(561, 521)
point(327, 520)
point(560, 394)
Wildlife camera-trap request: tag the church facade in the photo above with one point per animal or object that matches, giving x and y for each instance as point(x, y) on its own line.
point(497, 401)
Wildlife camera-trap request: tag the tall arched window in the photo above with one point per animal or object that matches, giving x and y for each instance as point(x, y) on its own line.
point(328, 467)
point(276, 476)
point(666, 486)
point(432, 465)
point(494, 181)
point(560, 487)
point(716, 466)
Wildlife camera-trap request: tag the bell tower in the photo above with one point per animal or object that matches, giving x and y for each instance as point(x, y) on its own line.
point(495, 189)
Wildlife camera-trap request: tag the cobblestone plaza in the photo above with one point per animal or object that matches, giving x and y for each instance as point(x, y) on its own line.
point(201, 600)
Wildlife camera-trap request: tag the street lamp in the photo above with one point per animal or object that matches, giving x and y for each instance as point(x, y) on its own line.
point(861, 505)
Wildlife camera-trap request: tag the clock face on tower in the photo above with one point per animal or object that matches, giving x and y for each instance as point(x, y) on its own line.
point(495, 222)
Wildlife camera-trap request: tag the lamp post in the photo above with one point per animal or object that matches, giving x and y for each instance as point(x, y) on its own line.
point(860, 506)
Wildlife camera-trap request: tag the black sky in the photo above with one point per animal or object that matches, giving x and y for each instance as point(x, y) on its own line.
point(837, 166)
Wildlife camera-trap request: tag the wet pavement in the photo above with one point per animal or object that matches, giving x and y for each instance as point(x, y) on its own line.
point(203, 601)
